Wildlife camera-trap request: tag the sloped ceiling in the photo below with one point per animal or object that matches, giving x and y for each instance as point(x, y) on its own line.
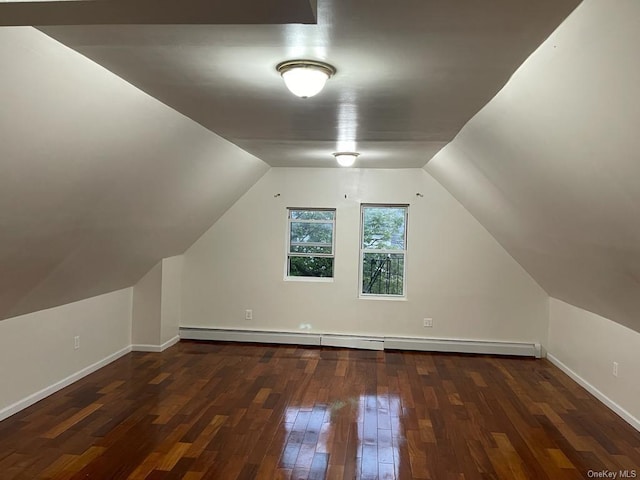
point(98, 181)
point(551, 166)
point(410, 73)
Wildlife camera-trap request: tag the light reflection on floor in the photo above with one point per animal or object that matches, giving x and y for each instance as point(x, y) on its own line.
point(367, 429)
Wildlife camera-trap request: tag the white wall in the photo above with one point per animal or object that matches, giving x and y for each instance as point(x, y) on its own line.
point(171, 302)
point(457, 273)
point(588, 344)
point(147, 298)
point(157, 305)
point(37, 349)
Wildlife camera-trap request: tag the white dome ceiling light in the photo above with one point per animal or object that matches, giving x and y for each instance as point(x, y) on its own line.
point(346, 159)
point(305, 78)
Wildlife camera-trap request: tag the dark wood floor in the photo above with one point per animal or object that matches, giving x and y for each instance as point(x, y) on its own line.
point(233, 411)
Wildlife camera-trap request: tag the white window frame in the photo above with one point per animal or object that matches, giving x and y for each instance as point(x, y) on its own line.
point(288, 253)
point(383, 296)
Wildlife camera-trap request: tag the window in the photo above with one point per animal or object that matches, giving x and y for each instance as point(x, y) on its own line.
point(311, 242)
point(383, 250)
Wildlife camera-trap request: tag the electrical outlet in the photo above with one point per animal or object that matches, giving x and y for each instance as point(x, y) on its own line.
point(248, 314)
point(427, 322)
point(76, 342)
point(615, 369)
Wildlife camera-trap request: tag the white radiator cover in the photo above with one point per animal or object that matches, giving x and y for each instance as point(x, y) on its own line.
point(361, 342)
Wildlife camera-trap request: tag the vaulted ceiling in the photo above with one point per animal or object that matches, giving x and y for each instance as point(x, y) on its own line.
point(411, 73)
point(551, 166)
point(100, 179)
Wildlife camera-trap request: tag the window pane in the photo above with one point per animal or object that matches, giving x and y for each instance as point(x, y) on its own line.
point(312, 214)
point(310, 242)
point(384, 228)
point(310, 249)
point(382, 273)
point(310, 267)
point(311, 233)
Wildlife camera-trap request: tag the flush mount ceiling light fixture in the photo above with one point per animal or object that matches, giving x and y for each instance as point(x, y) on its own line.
point(305, 78)
point(346, 159)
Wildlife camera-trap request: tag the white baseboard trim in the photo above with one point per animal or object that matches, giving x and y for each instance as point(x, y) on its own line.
point(626, 416)
point(155, 348)
point(369, 343)
point(51, 389)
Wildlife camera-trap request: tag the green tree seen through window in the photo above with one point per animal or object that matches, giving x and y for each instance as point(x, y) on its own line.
point(383, 249)
point(310, 252)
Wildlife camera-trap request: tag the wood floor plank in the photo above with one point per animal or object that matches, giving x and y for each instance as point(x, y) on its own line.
point(232, 411)
point(71, 421)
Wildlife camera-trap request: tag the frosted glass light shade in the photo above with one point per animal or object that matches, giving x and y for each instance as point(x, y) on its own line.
point(346, 159)
point(305, 82)
point(305, 78)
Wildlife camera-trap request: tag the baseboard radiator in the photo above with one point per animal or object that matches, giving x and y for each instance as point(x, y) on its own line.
point(363, 342)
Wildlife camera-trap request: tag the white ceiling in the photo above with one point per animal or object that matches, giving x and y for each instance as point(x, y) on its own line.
point(98, 181)
point(551, 166)
point(411, 73)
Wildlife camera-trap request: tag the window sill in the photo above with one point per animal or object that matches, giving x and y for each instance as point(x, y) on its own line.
point(391, 298)
point(309, 279)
